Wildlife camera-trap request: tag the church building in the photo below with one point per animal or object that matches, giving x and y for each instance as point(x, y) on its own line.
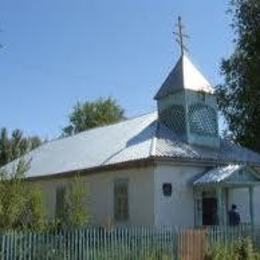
point(169, 167)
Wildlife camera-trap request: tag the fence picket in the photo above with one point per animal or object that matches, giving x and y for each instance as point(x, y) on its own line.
point(120, 243)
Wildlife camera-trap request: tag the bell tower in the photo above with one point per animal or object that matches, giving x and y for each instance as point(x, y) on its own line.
point(187, 104)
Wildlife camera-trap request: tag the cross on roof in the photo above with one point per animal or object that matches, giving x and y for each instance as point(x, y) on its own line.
point(180, 36)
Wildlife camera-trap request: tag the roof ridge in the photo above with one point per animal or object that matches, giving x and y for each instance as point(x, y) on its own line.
point(99, 127)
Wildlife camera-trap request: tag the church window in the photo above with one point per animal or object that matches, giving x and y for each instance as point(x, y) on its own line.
point(60, 202)
point(121, 207)
point(167, 189)
point(174, 118)
point(203, 120)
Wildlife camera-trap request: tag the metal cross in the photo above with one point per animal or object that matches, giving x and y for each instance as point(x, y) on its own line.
point(180, 36)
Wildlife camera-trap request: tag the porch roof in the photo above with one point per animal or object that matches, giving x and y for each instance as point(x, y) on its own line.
point(233, 174)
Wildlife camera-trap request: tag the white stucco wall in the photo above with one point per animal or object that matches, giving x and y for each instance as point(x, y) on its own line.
point(147, 204)
point(100, 200)
point(240, 197)
point(140, 195)
point(257, 205)
point(177, 210)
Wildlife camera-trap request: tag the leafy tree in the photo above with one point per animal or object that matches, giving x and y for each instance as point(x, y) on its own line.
point(239, 96)
point(76, 204)
point(16, 145)
point(21, 205)
point(93, 114)
point(73, 213)
point(35, 210)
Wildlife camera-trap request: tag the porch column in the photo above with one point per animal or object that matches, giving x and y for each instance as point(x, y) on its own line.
point(225, 206)
point(220, 207)
point(198, 207)
point(251, 205)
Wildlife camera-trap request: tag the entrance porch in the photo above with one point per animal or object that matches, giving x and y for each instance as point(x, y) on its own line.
point(213, 194)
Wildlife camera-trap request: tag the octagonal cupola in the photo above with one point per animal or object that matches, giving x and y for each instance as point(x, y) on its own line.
point(187, 105)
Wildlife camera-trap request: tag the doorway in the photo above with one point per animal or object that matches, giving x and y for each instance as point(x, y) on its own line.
point(209, 211)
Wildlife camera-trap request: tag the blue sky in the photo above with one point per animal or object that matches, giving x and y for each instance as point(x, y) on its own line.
point(58, 52)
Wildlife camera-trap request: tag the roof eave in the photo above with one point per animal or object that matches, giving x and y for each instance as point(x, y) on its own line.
point(201, 161)
point(144, 162)
point(98, 169)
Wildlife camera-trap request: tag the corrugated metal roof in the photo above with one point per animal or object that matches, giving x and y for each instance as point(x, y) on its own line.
point(184, 76)
point(135, 139)
point(125, 141)
point(218, 174)
point(171, 145)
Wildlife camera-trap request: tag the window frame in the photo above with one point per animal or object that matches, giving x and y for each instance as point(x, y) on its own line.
point(203, 120)
point(60, 199)
point(121, 201)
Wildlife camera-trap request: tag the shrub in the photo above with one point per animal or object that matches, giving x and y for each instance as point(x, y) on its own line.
point(242, 249)
point(75, 214)
point(21, 206)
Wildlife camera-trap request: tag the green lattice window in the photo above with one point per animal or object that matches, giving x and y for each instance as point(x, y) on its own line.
point(174, 118)
point(203, 120)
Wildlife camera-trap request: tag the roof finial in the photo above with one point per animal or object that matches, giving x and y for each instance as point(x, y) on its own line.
point(180, 36)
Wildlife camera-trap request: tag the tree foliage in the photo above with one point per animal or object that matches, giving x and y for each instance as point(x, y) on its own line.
point(74, 209)
point(21, 205)
point(16, 145)
point(76, 204)
point(93, 114)
point(239, 96)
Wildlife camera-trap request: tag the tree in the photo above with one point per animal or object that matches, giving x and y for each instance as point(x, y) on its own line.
point(76, 208)
point(73, 205)
point(93, 114)
point(21, 205)
point(16, 145)
point(239, 95)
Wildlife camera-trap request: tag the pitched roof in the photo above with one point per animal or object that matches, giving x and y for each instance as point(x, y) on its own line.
point(139, 138)
point(218, 174)
point(184, 76)
point(234, 174)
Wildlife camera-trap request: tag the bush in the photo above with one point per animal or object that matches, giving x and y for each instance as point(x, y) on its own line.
point(21, 206)
point(240, 250)
point(76, 208)
point(74, 214)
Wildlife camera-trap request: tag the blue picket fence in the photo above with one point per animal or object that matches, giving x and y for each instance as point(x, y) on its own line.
point(121, 243)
